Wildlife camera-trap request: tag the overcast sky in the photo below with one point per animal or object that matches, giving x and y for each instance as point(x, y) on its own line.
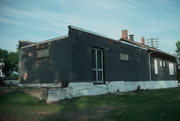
point(38, 20)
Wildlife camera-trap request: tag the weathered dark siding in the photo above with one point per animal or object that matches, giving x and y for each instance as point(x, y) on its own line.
point(55, 68)
point(163, 72)
point(136, 69)
point(70, 60)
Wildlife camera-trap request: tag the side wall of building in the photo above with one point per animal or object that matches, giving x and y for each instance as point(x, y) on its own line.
point(136, 69)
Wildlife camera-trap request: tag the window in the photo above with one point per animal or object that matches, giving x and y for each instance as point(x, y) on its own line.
point(124, 57)
point(42, 53)
point(155, 67)
point(97, 65)
point(160, 63)
point(0, 72)
point(164, 64)
point(171, 69)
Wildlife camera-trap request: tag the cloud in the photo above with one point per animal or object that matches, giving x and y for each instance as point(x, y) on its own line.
point(8, 44)
point(168, 45)
point(45, 19)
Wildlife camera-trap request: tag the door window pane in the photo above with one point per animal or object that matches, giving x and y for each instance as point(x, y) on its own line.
point(93, 59)
point(94, 75)
point(99, 59)
point(99, 75)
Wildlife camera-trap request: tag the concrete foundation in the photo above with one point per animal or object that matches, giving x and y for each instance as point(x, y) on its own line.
point(77, 89)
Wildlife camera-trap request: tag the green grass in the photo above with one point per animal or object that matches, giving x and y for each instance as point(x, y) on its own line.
point(149, 105)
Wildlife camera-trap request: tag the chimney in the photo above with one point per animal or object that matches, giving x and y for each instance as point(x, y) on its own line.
point(142, 41)
point(125, 34)
point(131, 37)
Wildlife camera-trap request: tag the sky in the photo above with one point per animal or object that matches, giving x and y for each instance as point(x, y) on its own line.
point(38, 20)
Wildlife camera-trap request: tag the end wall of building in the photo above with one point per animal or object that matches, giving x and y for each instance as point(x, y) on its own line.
point(55, 68)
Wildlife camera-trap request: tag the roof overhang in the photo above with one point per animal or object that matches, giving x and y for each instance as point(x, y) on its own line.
point(46, 41)
point(151, 49)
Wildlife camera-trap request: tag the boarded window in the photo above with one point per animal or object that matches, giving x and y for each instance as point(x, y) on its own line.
point(171, 69)
point(164, 64)
point(155, 67)
point(160, 63)
point(124, 57)
point(42, 53)
point(0, 72)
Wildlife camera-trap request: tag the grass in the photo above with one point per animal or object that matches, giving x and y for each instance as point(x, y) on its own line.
point(149, 105)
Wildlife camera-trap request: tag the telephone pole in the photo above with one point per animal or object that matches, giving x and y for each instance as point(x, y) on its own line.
point(153, 42)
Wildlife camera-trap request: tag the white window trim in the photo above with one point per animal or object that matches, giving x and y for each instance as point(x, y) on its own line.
point(155, 67)
point(171, 69)
point(160, 63)
point(164, 64)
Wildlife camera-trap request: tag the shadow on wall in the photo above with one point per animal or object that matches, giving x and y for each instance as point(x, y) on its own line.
point(54, 68)
point(39, 71)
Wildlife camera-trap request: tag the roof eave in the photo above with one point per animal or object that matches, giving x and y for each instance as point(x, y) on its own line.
point(46, 41)
point(147, 47)
point(136, 43)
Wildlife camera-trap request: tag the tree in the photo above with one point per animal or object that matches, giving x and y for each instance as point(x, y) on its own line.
point(10, 60)
point(178, 59)
point(178, 50)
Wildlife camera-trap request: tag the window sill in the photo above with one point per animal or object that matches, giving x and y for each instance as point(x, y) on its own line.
point(41, 57)
point(124, 60)
point(98, 83)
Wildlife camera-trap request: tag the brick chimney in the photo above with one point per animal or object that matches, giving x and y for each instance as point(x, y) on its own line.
point(125, 34)
point(142, 41)
point(131, 37)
